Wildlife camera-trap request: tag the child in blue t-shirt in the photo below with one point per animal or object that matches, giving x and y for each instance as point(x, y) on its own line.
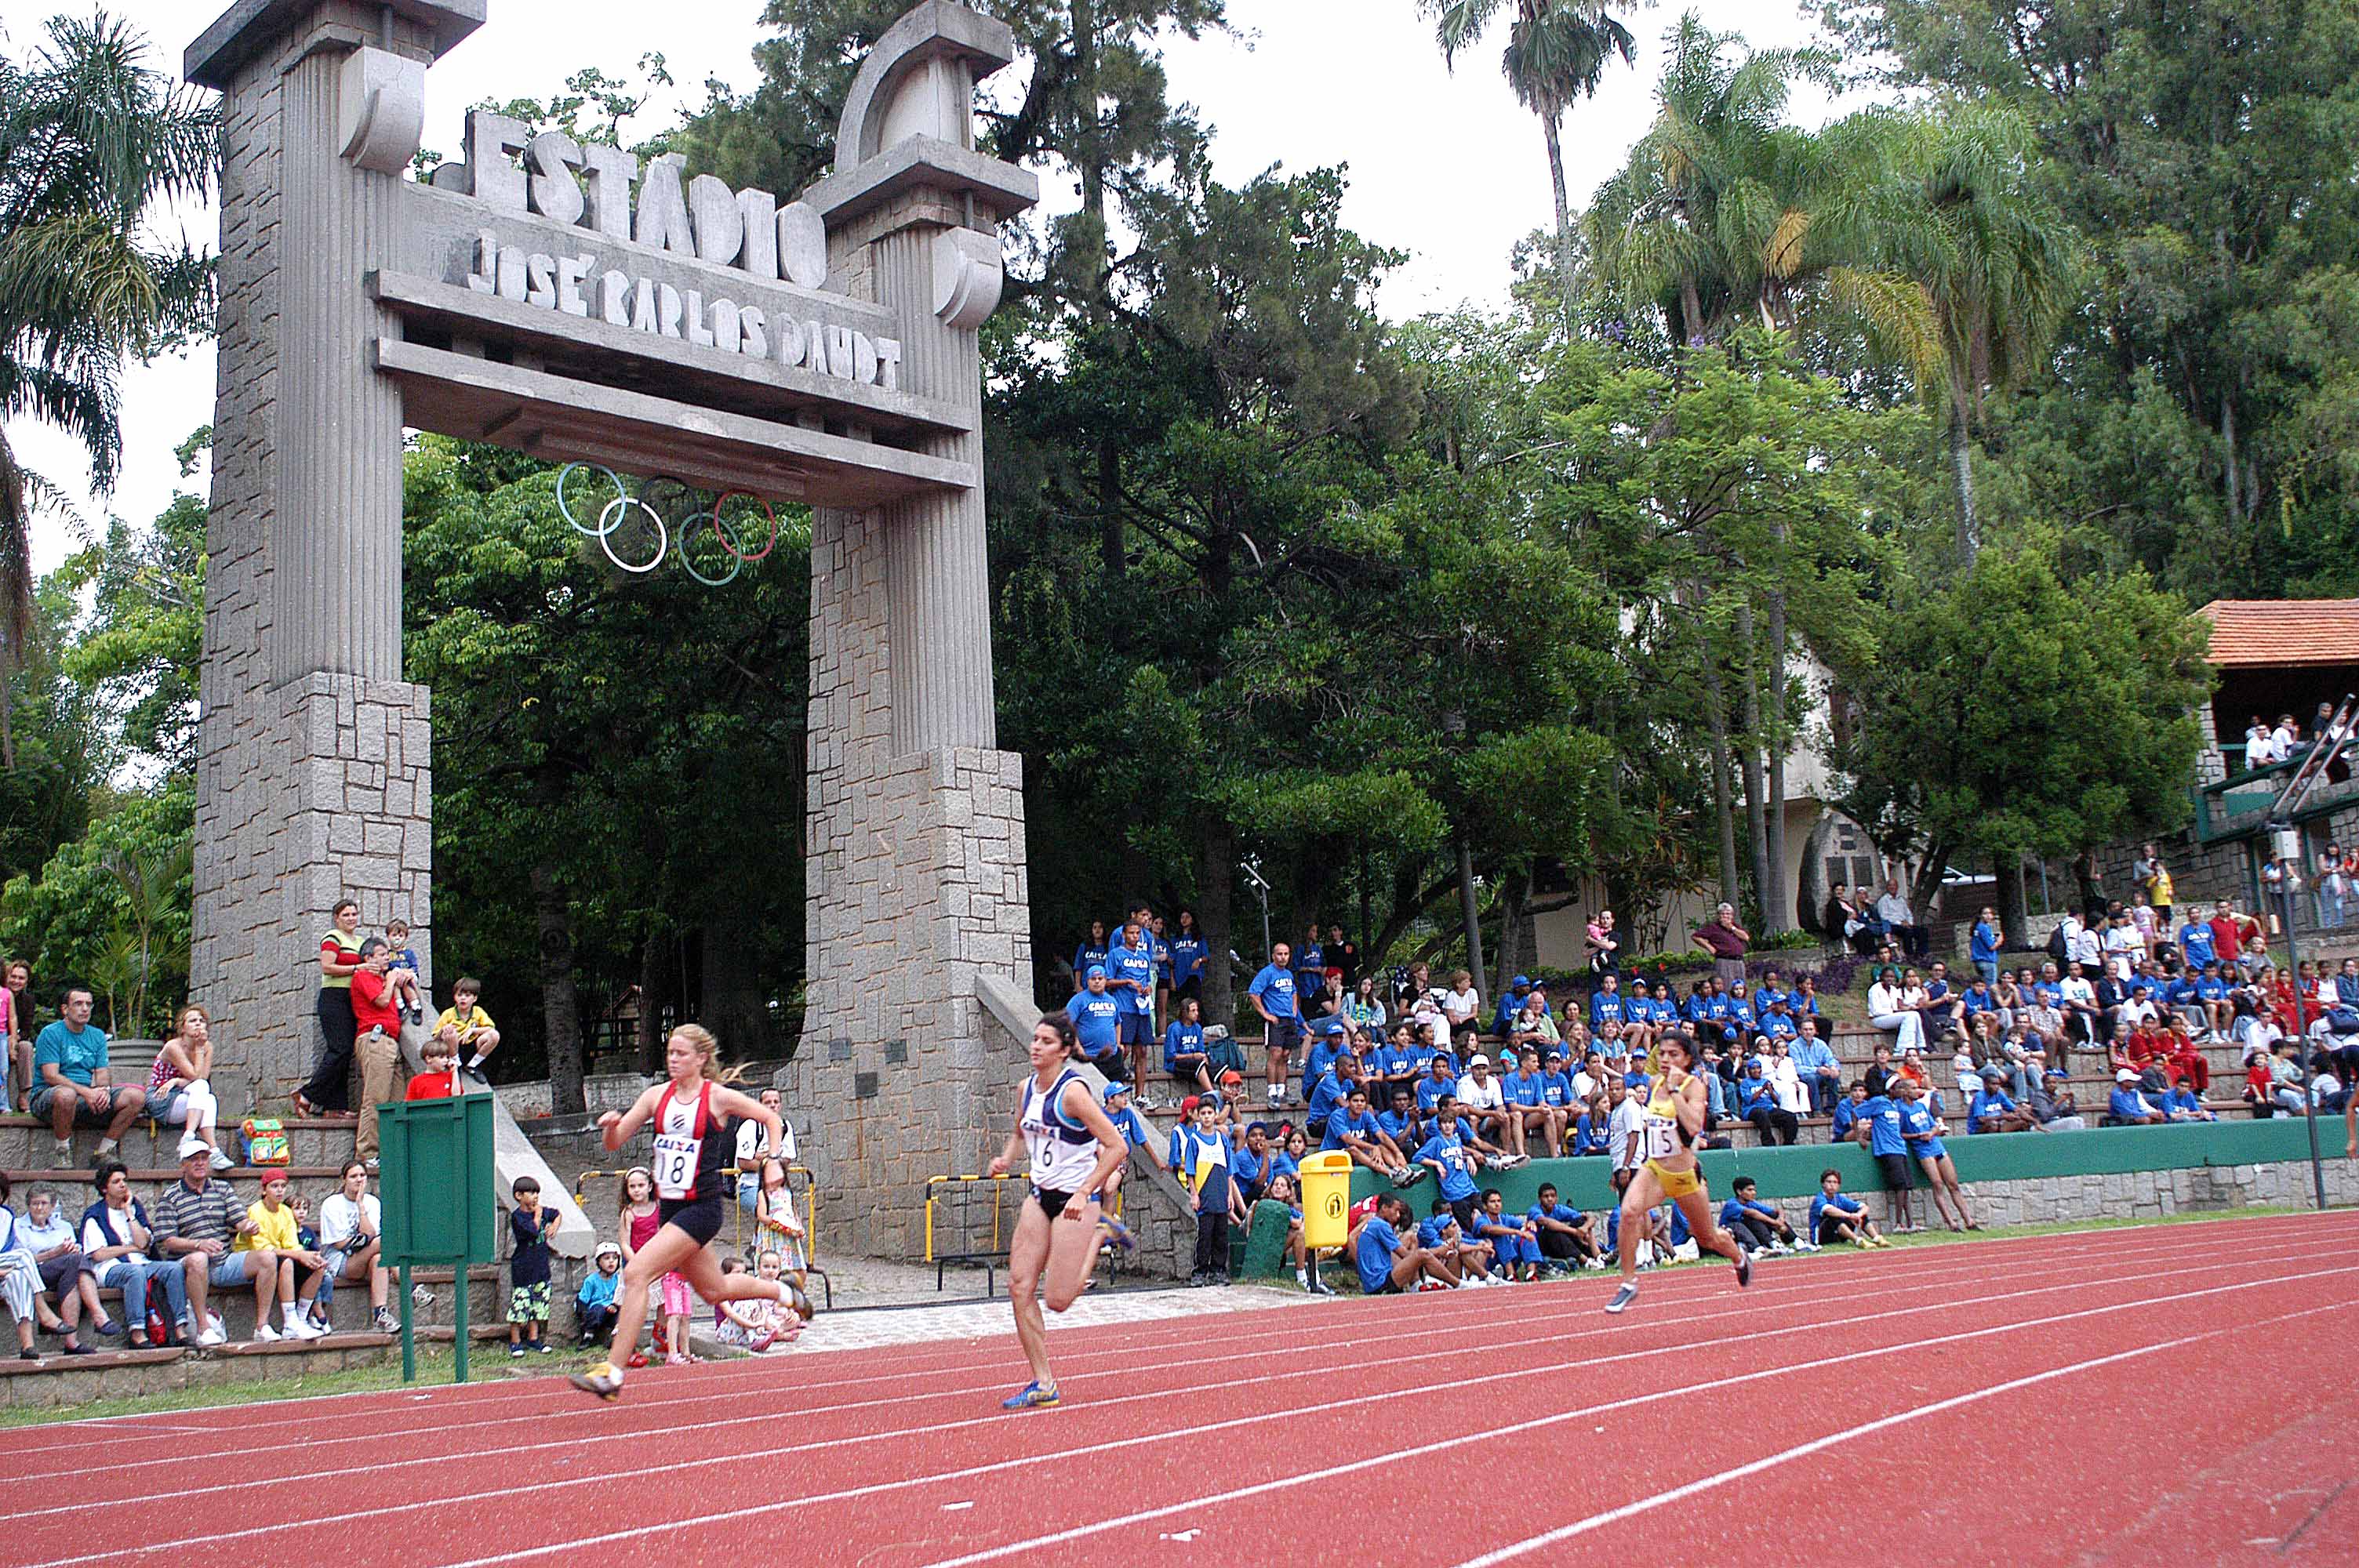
point(401, 968)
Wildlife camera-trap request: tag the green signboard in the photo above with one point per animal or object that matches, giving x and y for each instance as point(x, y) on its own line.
point(442, 1207)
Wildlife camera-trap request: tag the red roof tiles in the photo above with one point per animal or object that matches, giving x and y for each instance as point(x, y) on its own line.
point(2259, 633)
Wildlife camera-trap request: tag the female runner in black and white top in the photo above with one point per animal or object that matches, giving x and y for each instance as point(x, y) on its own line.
point(1075, 1150)
point(687, 1110)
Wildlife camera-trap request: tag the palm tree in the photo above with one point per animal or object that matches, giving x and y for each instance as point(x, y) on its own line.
point(92, 140)
point(1557, 52)
point(1996, 259)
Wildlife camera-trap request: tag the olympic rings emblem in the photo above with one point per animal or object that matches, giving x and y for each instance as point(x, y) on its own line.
point(674, 510)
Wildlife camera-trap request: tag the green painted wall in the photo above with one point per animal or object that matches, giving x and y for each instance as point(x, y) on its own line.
point(1994, 1157)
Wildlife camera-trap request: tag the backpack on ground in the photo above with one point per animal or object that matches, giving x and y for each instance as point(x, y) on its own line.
point(265, 1141)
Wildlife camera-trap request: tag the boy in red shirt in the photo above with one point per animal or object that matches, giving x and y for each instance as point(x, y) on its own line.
point(440, 1078)
point(2184, 1061)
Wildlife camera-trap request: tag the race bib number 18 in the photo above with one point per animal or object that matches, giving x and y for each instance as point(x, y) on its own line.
point(675, 1164)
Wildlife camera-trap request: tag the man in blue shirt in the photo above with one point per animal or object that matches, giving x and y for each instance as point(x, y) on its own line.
point(1272, 994)
point(1400, 1122)
point(1880, 1114)
point(1090, 951)
point(1526, 1094)
point(1130, 978)
point(1514, 1240)
point(1310, 972)
point(1845, 1115)
point(1353, 1130)
point(1605, 1001)
point(1566, 1240)
point(2185, 1105)
point(1439, 1084)
point(1389, 1264)
point(71, 1085)
point(1097, 1019)
point(1445, 1151)
point(1249, 1165)
point(1439, 1234)
point(1837, 1217)
point(1328, 1095)
point(1815, 1060)
point(1982, 946)
point(2129, 1107)
point(1511, 1002)
point(1757, 1226)
point(1320, 1052)
point(1994, 1109)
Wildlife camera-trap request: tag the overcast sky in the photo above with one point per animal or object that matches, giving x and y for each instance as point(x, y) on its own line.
point(1444, 165)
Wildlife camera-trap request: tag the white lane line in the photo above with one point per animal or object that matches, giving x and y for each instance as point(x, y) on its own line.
point(2091, 1244)
point(1312, 1477)
point(1748, 1310)
point(1810, 1293)
point(1836, 1439)
point(1749, 1334)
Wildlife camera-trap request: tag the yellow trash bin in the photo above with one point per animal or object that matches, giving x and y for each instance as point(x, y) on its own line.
point(1326, 1198)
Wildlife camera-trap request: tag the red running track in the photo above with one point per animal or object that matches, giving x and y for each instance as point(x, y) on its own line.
point(2127, 1396)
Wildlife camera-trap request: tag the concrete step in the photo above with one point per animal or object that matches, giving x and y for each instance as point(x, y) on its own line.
point(56, 1381)
point(26, 1144)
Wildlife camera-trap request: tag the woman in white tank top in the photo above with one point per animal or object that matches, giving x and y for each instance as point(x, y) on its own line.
point(1074, 1152)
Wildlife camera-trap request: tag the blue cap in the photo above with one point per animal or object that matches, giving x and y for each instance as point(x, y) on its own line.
point(1097, 972)
point(1111, 1090)
point(1519, 980)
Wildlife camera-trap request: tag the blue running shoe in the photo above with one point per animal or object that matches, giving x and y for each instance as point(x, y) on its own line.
point(1120, 1235)
point(1033, 1397)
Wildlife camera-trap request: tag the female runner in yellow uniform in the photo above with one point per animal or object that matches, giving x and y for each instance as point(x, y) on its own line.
point(1674, 1116)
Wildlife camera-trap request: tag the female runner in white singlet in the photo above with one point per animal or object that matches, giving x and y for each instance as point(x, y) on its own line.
point(1674, 1116)
point(1075, 1150)
point(690, 1195)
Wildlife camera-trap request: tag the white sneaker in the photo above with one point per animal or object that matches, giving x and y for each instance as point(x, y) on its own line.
point(266, 1335)
point(222, 1162)
point(221, 1329)
point(212, 1335)
point(299, 1327)
point(1595, 1265)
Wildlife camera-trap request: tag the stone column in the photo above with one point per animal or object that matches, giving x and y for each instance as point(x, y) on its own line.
point(313, 772)
point(916, 874)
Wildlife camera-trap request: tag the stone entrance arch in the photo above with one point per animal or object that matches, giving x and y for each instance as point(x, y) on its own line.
point(566, 301)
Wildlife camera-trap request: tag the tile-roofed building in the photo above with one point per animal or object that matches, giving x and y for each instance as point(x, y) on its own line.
point(2278, 633)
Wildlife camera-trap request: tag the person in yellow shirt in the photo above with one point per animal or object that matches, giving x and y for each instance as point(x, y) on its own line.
point(468, 1027)
point(271, 1223)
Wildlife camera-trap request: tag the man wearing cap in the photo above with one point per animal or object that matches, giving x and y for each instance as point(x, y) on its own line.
point(1994, 1109)
point(1511, 1003)
point(2128, 1105)
point(1272, 995)
point(1485, 1100)
point(199, 1217)
point(1097, 1021)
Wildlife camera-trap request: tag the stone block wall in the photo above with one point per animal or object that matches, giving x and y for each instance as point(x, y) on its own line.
point(314, 775)
point(2152, 1194)
point(917, 881)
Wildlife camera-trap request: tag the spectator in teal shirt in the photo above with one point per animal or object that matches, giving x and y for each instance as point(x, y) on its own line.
point(71, 1085)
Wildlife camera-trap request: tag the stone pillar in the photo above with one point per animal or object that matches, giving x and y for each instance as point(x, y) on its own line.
point(314, 772)
point(916, 856)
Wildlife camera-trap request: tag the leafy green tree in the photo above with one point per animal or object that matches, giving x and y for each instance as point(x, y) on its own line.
point(2203, 151)
point(111, 908)
point(92, 139)
point(139, 649)
point(2023, 714)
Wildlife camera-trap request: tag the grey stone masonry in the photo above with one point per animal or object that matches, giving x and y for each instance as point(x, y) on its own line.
point(313, 769)
point(916, 876)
